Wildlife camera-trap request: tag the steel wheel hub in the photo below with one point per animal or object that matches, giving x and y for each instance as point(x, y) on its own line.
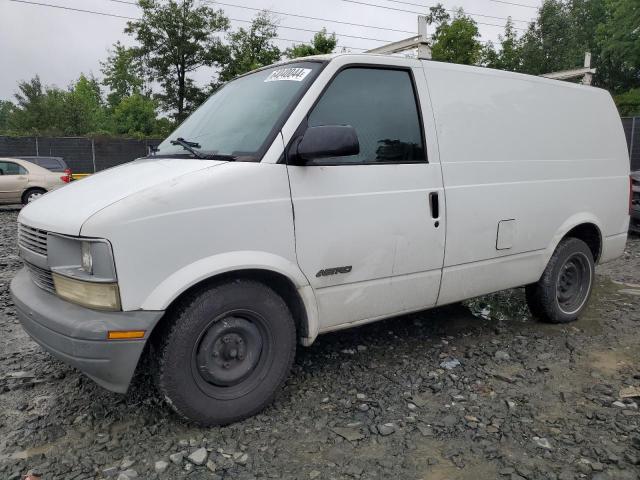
point(573, 285)
point(33, 196)
point(229, 351)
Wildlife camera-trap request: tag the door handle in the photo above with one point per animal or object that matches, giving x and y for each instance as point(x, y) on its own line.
point(434, 205)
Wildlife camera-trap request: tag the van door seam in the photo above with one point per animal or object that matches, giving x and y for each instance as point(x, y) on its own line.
point(443, 211)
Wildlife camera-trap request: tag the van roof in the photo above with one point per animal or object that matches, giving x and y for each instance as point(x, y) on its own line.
point(448, 66)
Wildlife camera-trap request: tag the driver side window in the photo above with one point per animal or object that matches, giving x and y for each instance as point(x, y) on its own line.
point(381, 105)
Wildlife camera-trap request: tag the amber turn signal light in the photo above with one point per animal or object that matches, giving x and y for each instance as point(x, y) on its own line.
point(125, 334)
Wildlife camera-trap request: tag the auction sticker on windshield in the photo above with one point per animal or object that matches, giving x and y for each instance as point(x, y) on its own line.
point(295, 74)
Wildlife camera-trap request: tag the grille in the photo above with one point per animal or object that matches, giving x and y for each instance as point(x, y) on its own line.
point(32, 239)
point(41, 277)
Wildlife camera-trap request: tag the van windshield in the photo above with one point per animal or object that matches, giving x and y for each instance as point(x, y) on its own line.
point(238, 119)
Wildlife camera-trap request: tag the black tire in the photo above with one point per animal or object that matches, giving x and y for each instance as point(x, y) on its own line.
point(225, 352)
point(30, 192)
point(563, 291)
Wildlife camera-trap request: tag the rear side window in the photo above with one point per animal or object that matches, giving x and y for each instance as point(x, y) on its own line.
point(52, 164)
point(10, 168)
point(381, 105)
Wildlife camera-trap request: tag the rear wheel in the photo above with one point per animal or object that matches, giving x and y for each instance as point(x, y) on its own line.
point(563, 291)
point(225, 353)
point(32, 194)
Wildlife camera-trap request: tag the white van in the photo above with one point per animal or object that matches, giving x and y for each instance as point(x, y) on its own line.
point(317, 195)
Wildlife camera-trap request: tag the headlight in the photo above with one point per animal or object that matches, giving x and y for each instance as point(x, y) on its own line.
point(87, 259)
point(84, 271)
point(101, 296)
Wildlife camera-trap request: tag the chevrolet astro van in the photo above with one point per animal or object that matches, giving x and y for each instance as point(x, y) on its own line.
point(316, 195)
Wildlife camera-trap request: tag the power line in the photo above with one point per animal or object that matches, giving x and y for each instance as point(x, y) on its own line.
point(74, 9)
point(341, 22)
point(281, 26)
point(419, 13)
point(313, 18)
point(454, 11)
point(135, 4)
point(315, 31)
point(93, 12)
point(516, 4)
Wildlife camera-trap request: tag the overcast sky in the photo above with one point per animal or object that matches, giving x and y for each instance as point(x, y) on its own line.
point(59, 44)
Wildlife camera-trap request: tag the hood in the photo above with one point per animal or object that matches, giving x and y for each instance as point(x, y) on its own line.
point(65, 210)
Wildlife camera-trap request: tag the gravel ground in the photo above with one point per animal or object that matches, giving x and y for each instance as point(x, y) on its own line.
point(472, 391)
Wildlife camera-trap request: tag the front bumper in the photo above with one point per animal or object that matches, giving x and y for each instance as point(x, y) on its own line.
point(78, 335)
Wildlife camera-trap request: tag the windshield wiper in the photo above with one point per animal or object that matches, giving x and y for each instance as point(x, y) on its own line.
point(220, 156)
point(190, 146)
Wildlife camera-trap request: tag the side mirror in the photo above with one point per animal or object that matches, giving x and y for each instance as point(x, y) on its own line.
point(328, 141)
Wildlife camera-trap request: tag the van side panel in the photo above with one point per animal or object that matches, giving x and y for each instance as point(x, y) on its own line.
point(538, 153)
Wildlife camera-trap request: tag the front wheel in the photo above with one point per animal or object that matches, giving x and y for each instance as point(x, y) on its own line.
point(32, 194)
point(225, 353)
point(563, 291)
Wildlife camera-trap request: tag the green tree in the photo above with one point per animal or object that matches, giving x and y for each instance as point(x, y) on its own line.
point(75, 111)
point(6, 109)
point(629, 103)
point(123, 74)
point(322, 43)
point(176, 38)
point(618, 37)
point(508, 57)
point(83, 107)
point(586, 15)
point(38, 108)
point(251, 49)
point(163, 127)
point(548, 45)
point(29, 110)
point(563, 31)
point(135, 115)
point(455, 40)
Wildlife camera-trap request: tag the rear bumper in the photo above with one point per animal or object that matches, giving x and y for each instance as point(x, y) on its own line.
point(78, 335)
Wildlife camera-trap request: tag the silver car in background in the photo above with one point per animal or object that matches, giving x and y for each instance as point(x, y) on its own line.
point(23, 182)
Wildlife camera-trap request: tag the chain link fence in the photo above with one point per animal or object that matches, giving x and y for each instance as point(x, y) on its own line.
point(82, 154)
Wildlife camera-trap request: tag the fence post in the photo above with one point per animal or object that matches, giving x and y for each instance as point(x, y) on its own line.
point(93, 154)
point(37, 149)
